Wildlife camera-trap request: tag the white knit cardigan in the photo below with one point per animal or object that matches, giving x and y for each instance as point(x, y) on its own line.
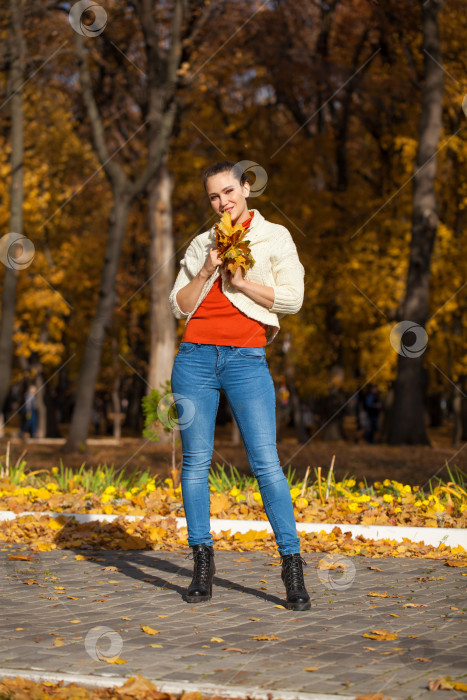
point(276, 265)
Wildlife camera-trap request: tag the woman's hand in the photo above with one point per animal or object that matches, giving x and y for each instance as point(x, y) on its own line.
point(212, 262)
point(237, 279)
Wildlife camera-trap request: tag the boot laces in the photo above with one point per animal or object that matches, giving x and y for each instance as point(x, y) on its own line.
point(293, 572)
point(202, 559)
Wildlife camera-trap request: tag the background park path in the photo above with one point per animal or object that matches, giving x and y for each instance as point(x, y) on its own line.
point(96, 609)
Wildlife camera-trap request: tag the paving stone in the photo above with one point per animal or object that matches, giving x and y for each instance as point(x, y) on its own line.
point(328, 637)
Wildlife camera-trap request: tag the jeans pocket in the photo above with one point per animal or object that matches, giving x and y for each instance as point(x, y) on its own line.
point(252, 352)
point(185, 348)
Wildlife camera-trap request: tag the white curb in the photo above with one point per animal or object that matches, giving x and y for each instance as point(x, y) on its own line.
point(210, 689)
point(433, 536)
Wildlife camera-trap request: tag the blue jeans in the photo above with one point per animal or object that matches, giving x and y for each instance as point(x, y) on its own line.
point(199, 373)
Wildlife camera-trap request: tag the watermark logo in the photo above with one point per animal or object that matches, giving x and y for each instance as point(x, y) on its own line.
point(94, 639)
point(16, 251)
point(250, 168)
point(88, 18)
point(176, 410)
point(336, 572)
point(409, 339)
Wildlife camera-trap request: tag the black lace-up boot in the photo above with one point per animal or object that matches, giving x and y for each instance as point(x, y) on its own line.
point(204, 569)
point(292, 576)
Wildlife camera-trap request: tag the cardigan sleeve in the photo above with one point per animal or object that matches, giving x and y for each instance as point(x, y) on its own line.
point(288, 273)
point(190, 265)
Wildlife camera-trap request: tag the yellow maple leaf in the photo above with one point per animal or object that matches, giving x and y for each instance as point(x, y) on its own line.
point(233, 249)
point(148, 630)
point(381, 635)
point(157, 534)
point(54, 524)
point(458, 685)
point(219, 502)
point(451, 562)
point(114, 660)
point(251, 535)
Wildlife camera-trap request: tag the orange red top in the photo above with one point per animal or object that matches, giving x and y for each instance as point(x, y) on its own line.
point(217, 321)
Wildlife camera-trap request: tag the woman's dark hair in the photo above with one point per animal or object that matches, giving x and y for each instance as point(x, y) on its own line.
point(225, 166)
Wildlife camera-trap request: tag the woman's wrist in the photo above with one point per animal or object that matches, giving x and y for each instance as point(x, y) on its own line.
point(260, 293)
point(203, 274)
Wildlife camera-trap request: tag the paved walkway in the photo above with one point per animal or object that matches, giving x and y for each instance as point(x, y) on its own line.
point(96, 608)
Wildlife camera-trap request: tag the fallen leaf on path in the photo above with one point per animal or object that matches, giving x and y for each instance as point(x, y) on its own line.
point(446, 684)
point(414, 605)
point(148, 629)
point(455, 562)
point(381, 635)
point(431, 578)
point(265, 638)
point(373, 594)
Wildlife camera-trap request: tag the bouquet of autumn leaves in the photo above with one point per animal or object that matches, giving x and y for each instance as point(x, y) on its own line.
point(232, 248)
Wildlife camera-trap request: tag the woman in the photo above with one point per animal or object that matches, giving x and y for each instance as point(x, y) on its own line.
point(230, 318)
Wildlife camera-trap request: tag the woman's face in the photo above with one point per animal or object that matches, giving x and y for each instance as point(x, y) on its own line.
point(227, 194)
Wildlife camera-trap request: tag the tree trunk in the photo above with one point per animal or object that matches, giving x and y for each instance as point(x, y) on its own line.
point(116, 403)
point(162, 79)
point(17, 69)
point(80, 422)
point(408, 416)
point(162, 260)
point(289, 375)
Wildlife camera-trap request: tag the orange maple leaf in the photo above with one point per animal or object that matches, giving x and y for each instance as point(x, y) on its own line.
point(233, 249)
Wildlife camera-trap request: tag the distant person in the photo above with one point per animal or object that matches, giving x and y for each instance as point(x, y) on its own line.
point(373, 405)
point(230, 319)
point(30, 412)
point(363, 421)
point(96, 418)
